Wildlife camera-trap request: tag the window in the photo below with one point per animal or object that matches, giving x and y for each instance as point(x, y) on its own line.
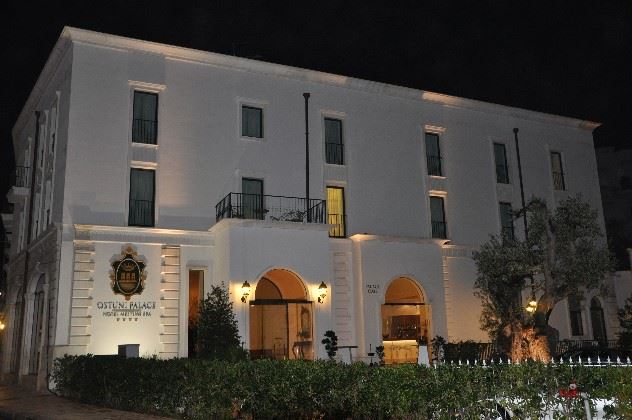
point(506, 221)
point(145, 123)
point(437, 218)
point(557, 171)
point(141, 197)
point(251, 121)
point(252, 199)
point(575, 313)
point(433, 154)
point(500, 157)
point(334, 151)
point(598, 321)
point(336, 212)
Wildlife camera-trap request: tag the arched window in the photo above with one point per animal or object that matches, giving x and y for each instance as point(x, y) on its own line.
point(575, 314)
point(598, 321)
point(36, 326)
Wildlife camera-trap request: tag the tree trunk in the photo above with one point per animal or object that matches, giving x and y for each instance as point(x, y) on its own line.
point(527, 343)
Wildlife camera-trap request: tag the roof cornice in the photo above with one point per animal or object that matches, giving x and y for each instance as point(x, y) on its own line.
point(295, 73)
point(50, 67)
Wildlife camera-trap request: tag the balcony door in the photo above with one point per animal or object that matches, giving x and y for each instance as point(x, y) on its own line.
point(252, 198)
point(336, 212)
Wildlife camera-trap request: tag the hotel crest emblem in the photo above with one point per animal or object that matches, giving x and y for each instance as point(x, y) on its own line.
point(128, 274)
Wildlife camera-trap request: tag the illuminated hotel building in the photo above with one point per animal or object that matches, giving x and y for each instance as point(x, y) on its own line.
point(149, 172)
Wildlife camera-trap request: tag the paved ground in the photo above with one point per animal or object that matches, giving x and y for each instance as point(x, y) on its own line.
point(17, 403)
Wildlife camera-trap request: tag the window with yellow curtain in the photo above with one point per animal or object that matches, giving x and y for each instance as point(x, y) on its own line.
point(336, 211)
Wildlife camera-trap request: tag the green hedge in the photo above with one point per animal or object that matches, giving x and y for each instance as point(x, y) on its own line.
point(193, 388)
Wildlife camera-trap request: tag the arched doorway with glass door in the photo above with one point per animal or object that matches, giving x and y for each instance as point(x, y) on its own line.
point(405, 320)
point(281, 318)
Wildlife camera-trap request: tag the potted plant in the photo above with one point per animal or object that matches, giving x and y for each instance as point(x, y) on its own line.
point(331, 344)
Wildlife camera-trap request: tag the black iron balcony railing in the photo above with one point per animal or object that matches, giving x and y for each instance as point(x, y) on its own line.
point(334, 153)
point(434, 165)
point(144, 131)
point(502, 174)
point(507, 233)
point(558, 181)
point(141, 213)
point(270, 207)
point(21, 177)
point(339, 229)
point(439, 230)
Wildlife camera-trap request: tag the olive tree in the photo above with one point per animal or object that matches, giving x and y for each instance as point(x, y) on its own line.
point(564, 254)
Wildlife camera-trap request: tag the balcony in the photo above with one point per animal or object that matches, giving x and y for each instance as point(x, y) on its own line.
point(439, 230)
point(334, 153)
point(19, 182)
point(20, 177)
point(141, 213)
point(144, 131)
point(270, 207)
point(434, 165)
point(558, 181)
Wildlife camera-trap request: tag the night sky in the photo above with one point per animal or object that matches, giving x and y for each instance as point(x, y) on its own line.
point(563, 57)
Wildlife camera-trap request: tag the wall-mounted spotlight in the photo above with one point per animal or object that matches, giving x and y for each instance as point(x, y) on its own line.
point(245, 291)
point(322, 292)
point(532, 305)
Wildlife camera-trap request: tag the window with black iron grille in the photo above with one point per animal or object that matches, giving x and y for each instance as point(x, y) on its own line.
point(506, 221)
point(433, 154)
point(141, 197)
point(500, 158)
point(145, 118)
point(437, 218)
point(557, 171)
point(251, 121)
point(334, 149)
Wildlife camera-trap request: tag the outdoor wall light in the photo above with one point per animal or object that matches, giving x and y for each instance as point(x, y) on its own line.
point(245, 291)
point(2, 325)
point(532, 305)
point(322, 292)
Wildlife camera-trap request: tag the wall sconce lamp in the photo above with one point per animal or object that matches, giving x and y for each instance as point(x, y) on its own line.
point(322, 292)
point(2, 325)
point(245, 291)
point(532, 305)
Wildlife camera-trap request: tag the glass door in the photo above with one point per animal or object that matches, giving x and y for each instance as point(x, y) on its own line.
point(252, 198)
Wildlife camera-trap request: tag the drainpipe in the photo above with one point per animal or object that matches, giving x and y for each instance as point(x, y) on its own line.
point(309, 217)
point(524, 216)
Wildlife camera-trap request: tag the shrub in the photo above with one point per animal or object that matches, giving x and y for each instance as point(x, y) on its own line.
point(200, 389)
point(217, 334)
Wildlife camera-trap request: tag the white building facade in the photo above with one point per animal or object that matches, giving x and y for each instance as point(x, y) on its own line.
point(153, 172)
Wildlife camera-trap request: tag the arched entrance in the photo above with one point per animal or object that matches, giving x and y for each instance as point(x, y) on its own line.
point(281, 318)
point(36, 326)
point(598, 321)
point(404, 320)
